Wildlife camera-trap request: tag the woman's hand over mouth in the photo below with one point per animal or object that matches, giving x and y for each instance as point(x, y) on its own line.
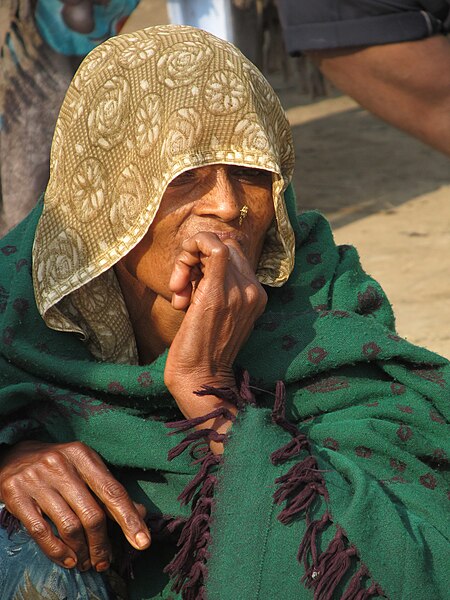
point(213, 281)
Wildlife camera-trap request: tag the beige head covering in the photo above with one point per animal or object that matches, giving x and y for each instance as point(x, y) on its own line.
point(141, 109)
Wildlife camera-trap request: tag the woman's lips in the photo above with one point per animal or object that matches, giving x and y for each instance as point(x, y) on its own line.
point(230, 235)
point(240, 237)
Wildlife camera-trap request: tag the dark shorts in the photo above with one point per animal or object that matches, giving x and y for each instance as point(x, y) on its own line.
point(328, 24)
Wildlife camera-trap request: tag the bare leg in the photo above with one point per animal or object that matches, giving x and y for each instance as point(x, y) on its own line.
point(406, 84)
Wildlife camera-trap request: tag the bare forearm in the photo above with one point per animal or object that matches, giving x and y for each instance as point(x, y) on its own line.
point(405, 84)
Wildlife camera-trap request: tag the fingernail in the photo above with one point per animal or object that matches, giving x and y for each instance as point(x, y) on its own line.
point(86, 565)
point(69, 563)
point(142, 539)
point(102, 566)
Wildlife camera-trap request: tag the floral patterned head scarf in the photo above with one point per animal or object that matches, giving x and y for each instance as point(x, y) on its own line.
point(143, 108)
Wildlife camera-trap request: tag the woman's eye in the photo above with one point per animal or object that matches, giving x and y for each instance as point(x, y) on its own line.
point(182, 179)
point(257, 176)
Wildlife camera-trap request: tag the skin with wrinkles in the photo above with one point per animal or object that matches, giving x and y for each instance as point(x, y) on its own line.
point(69, 483)
point(190, 285)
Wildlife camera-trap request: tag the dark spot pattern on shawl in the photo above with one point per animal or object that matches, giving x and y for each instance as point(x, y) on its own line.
point(397, 388)
point(431, 374)
point(340, 314)
point(436, 417)
point(331, 443)
point(8, 250)
point(363, 452)
point(21, 306)
point(324, 385)
point(320, 307)
point(318, 282)
point(428, 480)
point(369, 301)
point(314, 258)
point(343, 249)
point(317, 355)
point(116, 387)
point(311, 239)
point(22, 262)
point(404, 432)
point(287, 295)
point(145, 379)
point(289, 342)
point(267, 326)
point(371, 350)
point(66, 404)
point(394, 337)
point(398, 465)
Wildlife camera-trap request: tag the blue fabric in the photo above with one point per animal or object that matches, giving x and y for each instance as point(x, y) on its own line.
point(26, 573)
point(109, 19)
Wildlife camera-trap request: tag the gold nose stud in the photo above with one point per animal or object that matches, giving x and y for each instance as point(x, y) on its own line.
point(242, 214)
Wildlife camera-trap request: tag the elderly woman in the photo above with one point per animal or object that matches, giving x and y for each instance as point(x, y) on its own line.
point(166, 285)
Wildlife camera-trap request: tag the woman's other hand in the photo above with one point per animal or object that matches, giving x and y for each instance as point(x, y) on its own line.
point(214, 281)
point(70, 484)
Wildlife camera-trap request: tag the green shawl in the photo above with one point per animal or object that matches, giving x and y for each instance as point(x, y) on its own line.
point(353, 448)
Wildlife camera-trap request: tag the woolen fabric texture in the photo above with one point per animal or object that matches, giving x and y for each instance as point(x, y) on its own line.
point(355, 450)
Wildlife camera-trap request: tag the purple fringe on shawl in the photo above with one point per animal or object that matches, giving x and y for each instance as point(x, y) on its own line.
point(298, 489)
point(240, 400)
point(188, 568)
point(355, 591)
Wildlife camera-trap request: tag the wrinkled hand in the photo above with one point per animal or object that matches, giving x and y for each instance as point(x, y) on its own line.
point(70, 484)
point(214, 281)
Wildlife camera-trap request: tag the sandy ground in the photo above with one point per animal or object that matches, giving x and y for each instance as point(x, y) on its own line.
point(383, 191)
point(389, 195)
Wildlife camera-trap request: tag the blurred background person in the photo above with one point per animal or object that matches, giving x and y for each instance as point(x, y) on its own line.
point(391, 56)
point(42, 43)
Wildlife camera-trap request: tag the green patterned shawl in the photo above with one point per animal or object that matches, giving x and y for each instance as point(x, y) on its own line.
point(355, 454)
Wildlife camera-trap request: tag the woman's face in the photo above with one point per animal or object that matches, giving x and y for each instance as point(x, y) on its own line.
point(207, 199)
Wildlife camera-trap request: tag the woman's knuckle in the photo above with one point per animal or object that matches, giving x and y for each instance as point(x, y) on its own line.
point(131, 522)
point(77, 448)
point(29, 475)
point(94, 520)
point(38, 530)
point(52, 460)
point(263, 298)
point(113, 490)
point(70, 528)
point(220, 251)
point(254, 294)
point(56, 552)
point(9, 486)
point(99, 552)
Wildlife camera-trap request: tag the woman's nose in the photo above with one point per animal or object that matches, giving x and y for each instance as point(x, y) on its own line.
point(222, 200)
